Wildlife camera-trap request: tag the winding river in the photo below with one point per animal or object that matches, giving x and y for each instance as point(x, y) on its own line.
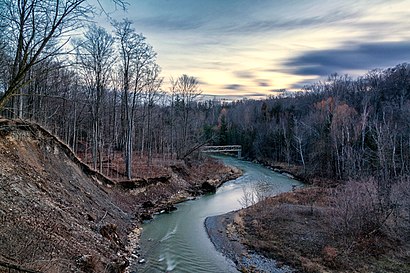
point(178, 242)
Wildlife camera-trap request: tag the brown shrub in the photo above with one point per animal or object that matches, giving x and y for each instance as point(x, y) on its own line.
point(329, 255)
point(356, 209)
point(361, 209)
point(400, 198)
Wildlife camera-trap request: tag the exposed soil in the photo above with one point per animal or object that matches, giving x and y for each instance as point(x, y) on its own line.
point(59, 215)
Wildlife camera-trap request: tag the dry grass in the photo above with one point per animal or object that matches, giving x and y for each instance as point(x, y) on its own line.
point(301, 229)
point(114, 165)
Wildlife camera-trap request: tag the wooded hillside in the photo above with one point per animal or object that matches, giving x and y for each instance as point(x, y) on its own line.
point(339, 128)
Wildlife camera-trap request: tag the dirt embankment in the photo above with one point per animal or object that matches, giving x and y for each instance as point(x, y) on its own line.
point(58, 215)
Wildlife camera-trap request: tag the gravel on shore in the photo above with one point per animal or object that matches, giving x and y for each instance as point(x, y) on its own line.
point(228, 242)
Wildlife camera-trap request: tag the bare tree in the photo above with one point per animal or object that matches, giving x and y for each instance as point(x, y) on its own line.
point(185, 90)
point(152, 94)
point(299, 142)
point(37, 31)
point(128, 40)
point(137, 62)
point(95, 55)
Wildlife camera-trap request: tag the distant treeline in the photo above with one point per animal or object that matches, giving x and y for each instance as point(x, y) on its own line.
point(339, 128)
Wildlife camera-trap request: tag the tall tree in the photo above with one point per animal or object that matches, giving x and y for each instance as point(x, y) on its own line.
point(138, 60)
point(152, 93)
point(95, 54)
point(186, 90)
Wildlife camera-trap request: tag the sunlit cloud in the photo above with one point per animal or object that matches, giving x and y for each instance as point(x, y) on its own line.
point(254, 47)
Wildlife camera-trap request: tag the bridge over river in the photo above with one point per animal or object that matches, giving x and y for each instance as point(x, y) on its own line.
point(223, 149)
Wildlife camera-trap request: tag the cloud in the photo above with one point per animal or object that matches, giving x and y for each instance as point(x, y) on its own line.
point(202, 82)
point(263, 83)
point(244, 74)
point(233, 87)
point(233, 17)
point(187, 15)
point(170, 23)
point(364, 56)
point(313, 21)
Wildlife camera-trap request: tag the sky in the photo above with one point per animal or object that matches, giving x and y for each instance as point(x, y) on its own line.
point(253, 48)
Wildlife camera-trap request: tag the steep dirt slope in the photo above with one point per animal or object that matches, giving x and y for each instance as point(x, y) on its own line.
point(52, 214)
point(58, 215)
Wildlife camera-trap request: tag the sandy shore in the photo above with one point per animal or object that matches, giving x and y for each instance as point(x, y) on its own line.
point(227, 241)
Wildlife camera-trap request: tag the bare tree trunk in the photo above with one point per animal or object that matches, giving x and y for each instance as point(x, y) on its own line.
point(172, 129)
point(128, 149)
point(143, 133)
point(20, 107)
point(299, 147)
point(74, 143)
point(95, 144)
point(300, 150)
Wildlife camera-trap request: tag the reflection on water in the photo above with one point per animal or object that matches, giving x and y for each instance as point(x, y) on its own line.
point(177, 242)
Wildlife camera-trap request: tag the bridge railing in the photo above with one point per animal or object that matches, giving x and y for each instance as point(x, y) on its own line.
point(222, 148)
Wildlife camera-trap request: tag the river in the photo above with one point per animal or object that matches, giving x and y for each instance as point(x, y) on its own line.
point(178, 242)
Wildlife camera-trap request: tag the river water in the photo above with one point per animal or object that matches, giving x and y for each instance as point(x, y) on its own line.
point(178, 242)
